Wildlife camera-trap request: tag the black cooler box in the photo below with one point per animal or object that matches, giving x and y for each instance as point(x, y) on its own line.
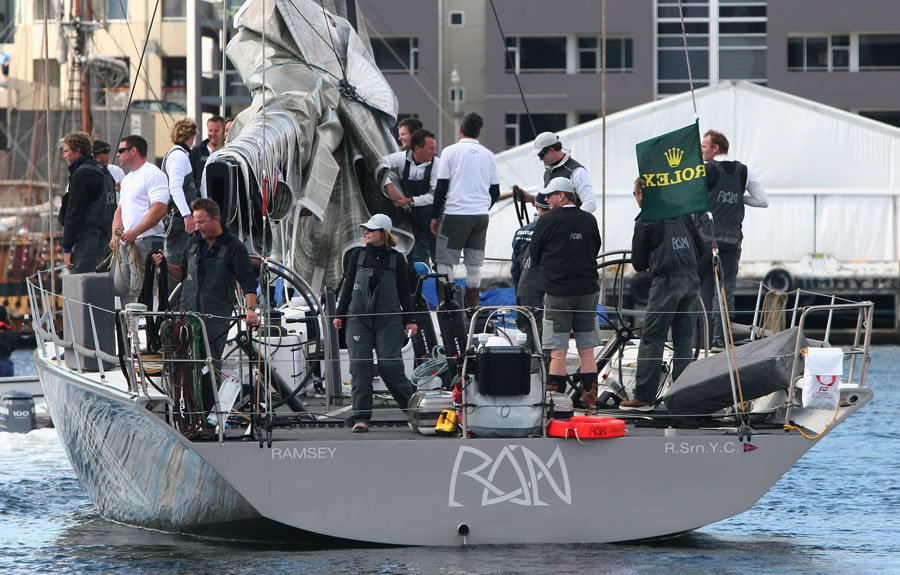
point(504, 370)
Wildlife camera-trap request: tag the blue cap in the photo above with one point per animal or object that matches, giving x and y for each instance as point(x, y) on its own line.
point(540, 201)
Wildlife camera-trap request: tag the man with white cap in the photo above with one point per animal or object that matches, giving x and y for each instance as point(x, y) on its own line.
point(558, 163)
point(565, 243)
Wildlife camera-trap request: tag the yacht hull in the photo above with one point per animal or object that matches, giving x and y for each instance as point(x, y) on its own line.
point(426, 491)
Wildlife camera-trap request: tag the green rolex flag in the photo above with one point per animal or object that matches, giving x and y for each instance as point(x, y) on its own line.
point(673, 167)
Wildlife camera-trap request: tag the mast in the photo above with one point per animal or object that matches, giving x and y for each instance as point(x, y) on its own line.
point(87, 124)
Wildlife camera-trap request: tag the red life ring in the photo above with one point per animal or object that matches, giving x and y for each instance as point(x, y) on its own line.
point(587, 427)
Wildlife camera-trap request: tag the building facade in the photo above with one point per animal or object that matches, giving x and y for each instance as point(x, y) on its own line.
point(445, 58)
point(109, 37)
point(841, 54)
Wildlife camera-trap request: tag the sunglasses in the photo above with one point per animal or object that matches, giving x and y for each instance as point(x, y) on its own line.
point(123, 150)
point(101, 151)
point(543, 153)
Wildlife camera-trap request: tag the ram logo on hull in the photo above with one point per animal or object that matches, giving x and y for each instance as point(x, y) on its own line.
point(515, 475)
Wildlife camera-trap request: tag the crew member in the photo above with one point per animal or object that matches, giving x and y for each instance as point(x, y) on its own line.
point(558, 163)
point(526, 276)
point(727, 180)
point(405, 129)
point(212, 263)
point(88, 206)
point(228, 122)
point(215, 131)
point(418, 178)
point(137, 228)
point(468, 185)
point(670, 249)
point(182, 190)
point(7, 345)
point(565, 244)
point(101, 154)
point(376, 303)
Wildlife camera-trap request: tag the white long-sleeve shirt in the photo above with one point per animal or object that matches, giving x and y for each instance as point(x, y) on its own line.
point(757, 195)
point(397, 163)
point(178, 165)
point(583, 187)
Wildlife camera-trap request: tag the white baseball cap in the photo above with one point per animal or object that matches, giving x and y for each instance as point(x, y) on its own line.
point(378, 222)
point(544, 140)
point(559, 185)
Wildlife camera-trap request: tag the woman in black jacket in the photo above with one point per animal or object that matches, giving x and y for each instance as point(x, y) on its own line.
point(376, 303)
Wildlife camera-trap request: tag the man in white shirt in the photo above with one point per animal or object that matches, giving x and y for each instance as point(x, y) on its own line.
point(182, 188)
point(137, 224)
point(101, 154)
point(468, 185)
point(727, 180)
point(416, 170)
point(558, 163)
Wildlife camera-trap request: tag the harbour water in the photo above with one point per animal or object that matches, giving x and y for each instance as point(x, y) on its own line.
point(837, 511)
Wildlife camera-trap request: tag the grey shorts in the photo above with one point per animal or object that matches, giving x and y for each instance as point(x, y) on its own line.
point(570, 313)
point(457, 233)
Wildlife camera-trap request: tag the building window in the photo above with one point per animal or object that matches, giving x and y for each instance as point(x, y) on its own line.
point(461, 90)
point(400, 54)
point(536, 54)
point(819, 53)
point(39, 71)
point(742, 42)
point(39, 10)
point(457, 18)
point(671, 69)
point(737, 27)
point(618, 54)
point(879, 51)
point(582, 117)
point(7, 18)
point(173, 9)
point(116, 9)
point(518, 128)
point(175, 73)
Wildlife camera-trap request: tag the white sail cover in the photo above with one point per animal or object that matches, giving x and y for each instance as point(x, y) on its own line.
point(831, 176)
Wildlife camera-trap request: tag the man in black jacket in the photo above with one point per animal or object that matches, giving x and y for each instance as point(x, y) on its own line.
point(88, 206)
point(213, 262)
point(215, 138)
point(670, 249)
point(565, 244)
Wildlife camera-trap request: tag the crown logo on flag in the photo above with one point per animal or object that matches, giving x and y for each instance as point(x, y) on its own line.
point(673, 156)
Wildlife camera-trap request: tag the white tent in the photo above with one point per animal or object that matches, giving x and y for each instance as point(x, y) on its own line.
point(831, 176)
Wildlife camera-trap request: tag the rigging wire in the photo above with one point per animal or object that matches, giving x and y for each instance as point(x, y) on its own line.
point(140, 63)
point(512, 65)
point(687, 60)
point(412, 74)
point(331, 38)
point(147, 82)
